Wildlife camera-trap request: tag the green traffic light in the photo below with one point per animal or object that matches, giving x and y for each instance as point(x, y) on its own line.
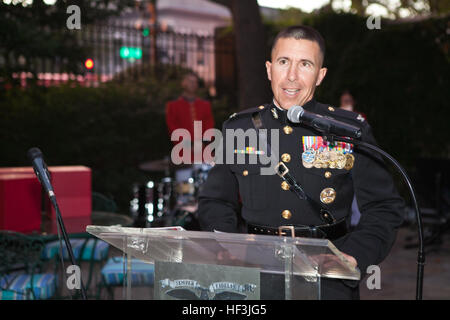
point(124, 52)
point(145, 32)
point(130, 53)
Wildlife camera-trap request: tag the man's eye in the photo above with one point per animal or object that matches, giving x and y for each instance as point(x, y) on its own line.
point(306, 64)
point(283, 61)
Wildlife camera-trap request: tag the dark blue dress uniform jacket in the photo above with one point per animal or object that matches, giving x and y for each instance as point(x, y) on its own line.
point(262, 201)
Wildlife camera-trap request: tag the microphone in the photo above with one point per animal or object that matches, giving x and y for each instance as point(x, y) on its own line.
point(40, 168)
point(324, 124)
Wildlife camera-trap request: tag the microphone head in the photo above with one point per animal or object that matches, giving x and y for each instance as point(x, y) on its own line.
point(34, 153)
point(294, 113)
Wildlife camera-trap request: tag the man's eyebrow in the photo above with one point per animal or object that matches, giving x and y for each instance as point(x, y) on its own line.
point(307, 60)
point(301, 60)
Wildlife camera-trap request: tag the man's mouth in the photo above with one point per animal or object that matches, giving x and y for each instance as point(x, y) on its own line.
point(291, 92)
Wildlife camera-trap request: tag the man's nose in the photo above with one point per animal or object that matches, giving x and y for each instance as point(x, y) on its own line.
point(292, 73)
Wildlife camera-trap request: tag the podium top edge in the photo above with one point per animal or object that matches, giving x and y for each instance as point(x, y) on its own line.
point(223, 236)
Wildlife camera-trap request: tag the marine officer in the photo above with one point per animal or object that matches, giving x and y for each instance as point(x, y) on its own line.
point(315, 196)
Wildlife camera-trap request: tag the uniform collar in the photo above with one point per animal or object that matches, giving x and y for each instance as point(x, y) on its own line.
point(280, 114)
point(310, 105)
point(188, 99)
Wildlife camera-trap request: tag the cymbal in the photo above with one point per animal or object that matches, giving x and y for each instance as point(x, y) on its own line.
point(161, 165)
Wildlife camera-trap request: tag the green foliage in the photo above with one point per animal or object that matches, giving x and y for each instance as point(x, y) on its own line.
point(111, 129)
point(399, 76)
point(288, 17)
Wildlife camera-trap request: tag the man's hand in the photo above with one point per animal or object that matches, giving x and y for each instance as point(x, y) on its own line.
point(225, 255)
point(329, 261)
point(351, 260)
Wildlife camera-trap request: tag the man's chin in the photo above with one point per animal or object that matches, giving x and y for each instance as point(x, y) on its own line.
point(288, 105)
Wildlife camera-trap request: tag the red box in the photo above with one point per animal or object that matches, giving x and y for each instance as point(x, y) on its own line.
point(73, 189)
point(72, 186)
point(20, 202)
point(17, 170)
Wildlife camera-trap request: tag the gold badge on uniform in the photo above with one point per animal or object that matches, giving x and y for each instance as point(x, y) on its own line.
point(287, 129)
point(328, 195)
point(319, 153)
point(350, 160)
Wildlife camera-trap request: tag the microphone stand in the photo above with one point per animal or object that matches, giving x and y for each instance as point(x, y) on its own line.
point(66, 241)
point(421, 252)
point(43, 175)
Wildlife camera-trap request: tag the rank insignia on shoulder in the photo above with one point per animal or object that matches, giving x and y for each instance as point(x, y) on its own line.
point(319, 153)
point(360, 118)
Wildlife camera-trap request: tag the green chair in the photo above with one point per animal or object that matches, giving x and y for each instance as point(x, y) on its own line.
point(23, 274)
point(86, 249)
point(142, 275)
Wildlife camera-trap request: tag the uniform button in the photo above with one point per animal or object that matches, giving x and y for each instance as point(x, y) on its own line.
point(288, 129)
point(328, 195)
point(285, 185)
point(328, 174)
point(330, 108)
point(261, 107)
point(245, 173)
point(286, 214)
point(286, 157)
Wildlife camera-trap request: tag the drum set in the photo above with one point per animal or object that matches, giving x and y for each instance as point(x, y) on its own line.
point(171, 200)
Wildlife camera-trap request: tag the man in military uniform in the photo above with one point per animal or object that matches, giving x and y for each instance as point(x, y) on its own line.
point(327, 173)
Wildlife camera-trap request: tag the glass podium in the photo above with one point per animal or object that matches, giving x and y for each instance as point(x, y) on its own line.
point(222, 266)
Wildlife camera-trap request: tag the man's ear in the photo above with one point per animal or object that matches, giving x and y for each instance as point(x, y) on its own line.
point(268, 69)
point(322, 73)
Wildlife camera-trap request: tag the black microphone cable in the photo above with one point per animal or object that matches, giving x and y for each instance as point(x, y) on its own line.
point(421, 251)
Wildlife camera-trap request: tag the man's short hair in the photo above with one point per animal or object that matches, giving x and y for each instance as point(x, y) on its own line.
point(302, 32)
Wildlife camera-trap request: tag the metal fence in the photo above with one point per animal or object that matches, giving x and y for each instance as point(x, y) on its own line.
point(117, 49)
